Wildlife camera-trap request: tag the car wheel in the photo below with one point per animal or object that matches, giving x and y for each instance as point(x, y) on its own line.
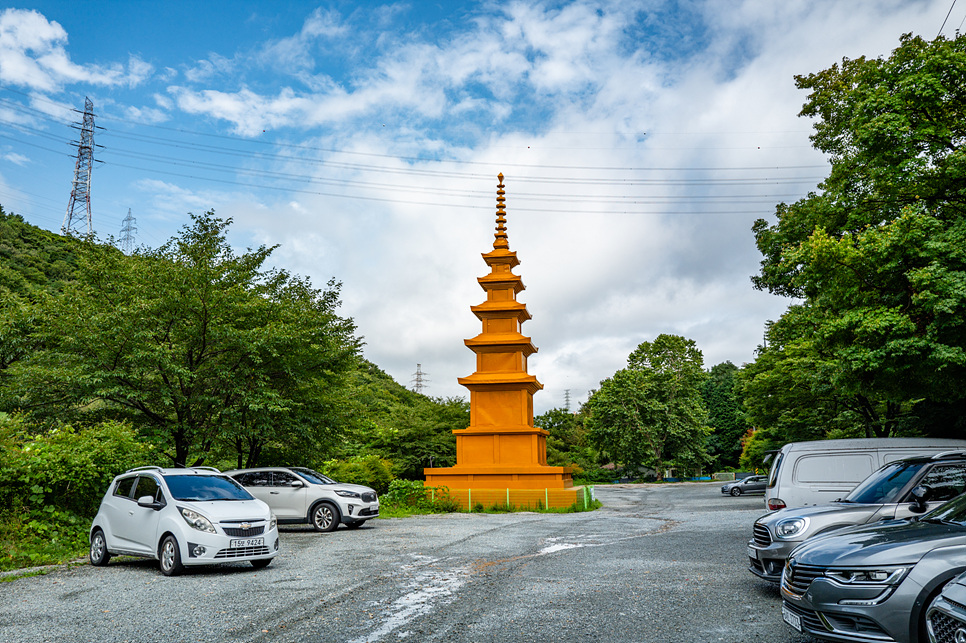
point(325, 517)
point(735, 491)
point(356, 524)
point(99, 555)
point(170, 557)
point(261, 563)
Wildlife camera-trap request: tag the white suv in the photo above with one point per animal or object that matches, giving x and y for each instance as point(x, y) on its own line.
point(196, 516)
point(299, 495)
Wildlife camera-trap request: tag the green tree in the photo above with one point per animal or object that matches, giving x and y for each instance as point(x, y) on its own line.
point(651, 413)
point(567, 444)
point(877, 259)
point(411, 430)
point(722, 398)
point(195, 344)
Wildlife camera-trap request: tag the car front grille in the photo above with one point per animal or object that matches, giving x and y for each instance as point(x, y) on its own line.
point(368, 512)
point(241, 552)
point(944, 626)
point(369, 496)
point(760, 535)
point(797, 578)
point(238, 532)
point(810, 620)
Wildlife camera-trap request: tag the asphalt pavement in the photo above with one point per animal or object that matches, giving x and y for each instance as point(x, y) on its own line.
point(656, 563)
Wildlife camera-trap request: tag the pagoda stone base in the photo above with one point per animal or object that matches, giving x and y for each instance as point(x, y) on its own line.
point(500, 477)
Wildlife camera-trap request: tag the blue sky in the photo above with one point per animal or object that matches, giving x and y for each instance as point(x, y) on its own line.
point(640, 139)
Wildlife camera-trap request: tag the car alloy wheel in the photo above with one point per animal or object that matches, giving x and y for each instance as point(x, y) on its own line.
point(99, 555)
point(170, 558)
point(735, 491)
point(325, 517)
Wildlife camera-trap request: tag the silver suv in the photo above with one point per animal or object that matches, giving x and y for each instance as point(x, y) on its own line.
point(182, 517)
point(884, 495)
point(299, 495)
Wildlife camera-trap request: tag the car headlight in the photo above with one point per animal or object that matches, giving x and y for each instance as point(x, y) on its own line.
point(791, 527)
point(348, 494)
point(197, 521)
point(273, 522)
point(878, 576)
point(888, 578)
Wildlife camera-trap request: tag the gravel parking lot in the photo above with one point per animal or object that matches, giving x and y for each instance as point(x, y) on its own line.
point(657, 563)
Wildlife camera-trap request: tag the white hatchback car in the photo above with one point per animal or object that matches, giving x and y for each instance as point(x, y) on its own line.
point(299, 495)
point(195, 516)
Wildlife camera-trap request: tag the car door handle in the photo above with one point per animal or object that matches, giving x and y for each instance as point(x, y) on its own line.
point(274, 493)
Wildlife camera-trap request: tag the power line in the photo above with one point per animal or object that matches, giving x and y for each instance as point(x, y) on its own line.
point(946, 18)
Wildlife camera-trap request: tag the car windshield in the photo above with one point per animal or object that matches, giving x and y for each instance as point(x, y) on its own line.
point(885, 484)
point(953, 511)
point(313, 476)
point(200, 488)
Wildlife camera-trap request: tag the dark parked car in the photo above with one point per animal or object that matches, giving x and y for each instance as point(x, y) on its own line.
point(884, 495)
point(751, 484)
point(874, 582)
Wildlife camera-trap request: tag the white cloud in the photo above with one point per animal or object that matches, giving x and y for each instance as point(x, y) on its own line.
point(16, 158)
point(33, 54)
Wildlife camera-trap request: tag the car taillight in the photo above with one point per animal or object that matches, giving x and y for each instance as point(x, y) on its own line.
point(774, 504)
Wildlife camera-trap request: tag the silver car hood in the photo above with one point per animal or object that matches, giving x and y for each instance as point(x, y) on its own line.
point(839, 512)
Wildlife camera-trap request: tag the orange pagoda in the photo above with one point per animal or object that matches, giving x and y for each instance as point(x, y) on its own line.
point(501, 449)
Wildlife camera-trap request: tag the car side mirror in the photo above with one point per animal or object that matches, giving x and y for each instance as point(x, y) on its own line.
point(297, 483)
point(149, 503)
point(920, 496)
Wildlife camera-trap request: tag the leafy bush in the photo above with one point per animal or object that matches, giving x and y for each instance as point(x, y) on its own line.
point(370, 470)
point(412, 494)
point(66, 469)
point(592, 476)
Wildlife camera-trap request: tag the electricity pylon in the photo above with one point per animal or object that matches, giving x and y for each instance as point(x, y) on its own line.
point(127, 233)
point(419, 379)
point(77, 221)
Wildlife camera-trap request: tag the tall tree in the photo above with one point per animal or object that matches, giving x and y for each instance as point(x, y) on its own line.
point(877, 259)
point(567, 444)
point(194, 342)
point(722, 398)
point(651, 413)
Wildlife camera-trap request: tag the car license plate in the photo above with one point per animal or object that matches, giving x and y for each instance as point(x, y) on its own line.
point(247, 542)
point(792, 618)
point(752, 553)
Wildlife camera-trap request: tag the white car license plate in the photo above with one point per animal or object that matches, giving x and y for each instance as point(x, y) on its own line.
point(247, 542)
point(791, 618)
point(752, 553)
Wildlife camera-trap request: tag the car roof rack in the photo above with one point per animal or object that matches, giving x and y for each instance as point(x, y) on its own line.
point(146, 468)
point(948, 454)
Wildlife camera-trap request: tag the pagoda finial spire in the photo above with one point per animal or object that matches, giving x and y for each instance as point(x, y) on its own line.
point(501, 242)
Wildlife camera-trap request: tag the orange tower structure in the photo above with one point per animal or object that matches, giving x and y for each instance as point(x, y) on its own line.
point(501, 449)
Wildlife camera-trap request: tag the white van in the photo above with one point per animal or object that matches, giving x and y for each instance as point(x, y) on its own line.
point(814, 473)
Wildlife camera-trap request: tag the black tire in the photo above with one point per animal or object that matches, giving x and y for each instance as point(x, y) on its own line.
point(324, 517)
point(169, 557)
point(735, 491)
point(98, 554)
point(355, 525)
point(261, 563)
